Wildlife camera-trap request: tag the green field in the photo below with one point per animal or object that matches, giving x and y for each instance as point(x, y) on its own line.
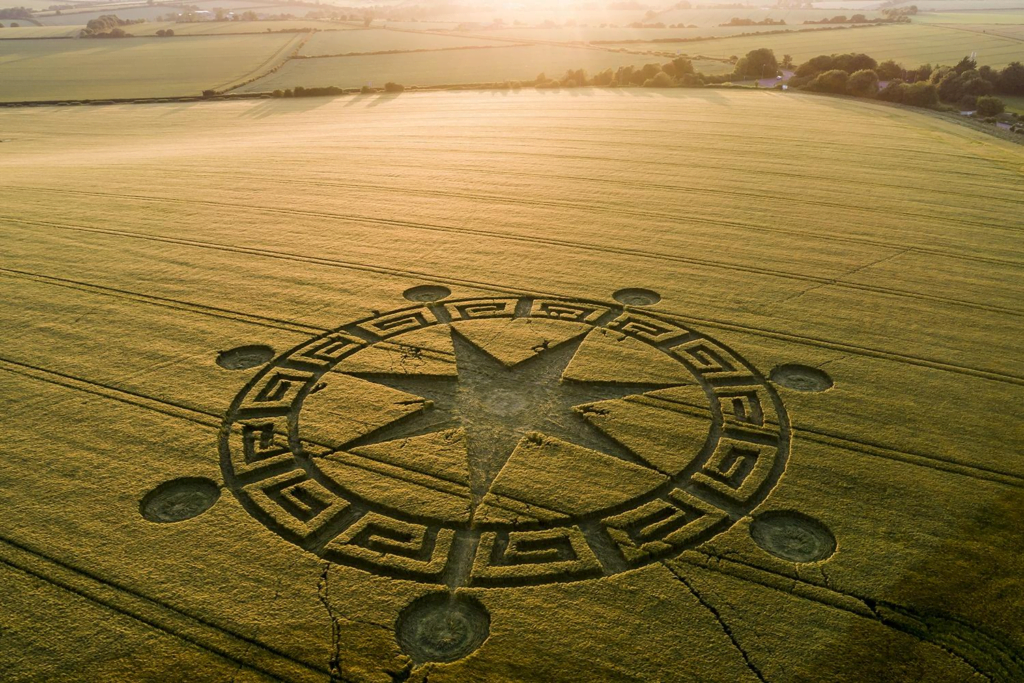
point(972, 17)
point(1014, 31)
point(70, 17)
point(485, 65)
point(1014, 104)
point(909, 45)
point(590, 34)
point(713, 16)
point(139, 67)
point(790, 327)
point(212, 28)
point(24, 31)
point(379, 40)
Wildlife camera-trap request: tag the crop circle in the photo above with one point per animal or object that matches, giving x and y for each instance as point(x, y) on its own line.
point(437, 442)
point(179, 499)
point(424, 293)
point(793, 536)
point(245, 357)
point(801, 378)
point(442, 627)
point(634, 296)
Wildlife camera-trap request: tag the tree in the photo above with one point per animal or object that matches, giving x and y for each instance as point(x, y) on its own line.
point(863, 83)
point(990, 106)
point(954, 87)
point(393, 87)
point(895, 91)
point(889, 70)
point(690, 81)
point(965, 64)
point(939, 74)
point(682, 66)
point(787, 62)
point(967, 103)
point(1011, 79)
point(833, 81)
point(757, 64)
point(604, 77)
point(660, 80)
point(921, 73)
point(851, 62)
point(815, 66)
point(921, 95)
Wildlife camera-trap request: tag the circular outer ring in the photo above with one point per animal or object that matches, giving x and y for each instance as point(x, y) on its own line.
point(276, 479)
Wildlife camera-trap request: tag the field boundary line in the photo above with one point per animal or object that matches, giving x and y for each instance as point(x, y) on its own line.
point(608, 209)
point(269, 66)
point(214, 421)
point(661, 163)
point(175, 304)
point(910, 458)
point(707, 221)
point(299, 58)
point(158, 615)
point(489, 287)
point(740, 226)
point(961, 27)
point(614, 182)
point(783, 275)
point(162, 406)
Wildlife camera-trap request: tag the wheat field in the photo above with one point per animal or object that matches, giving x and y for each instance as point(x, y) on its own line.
point(843, 278)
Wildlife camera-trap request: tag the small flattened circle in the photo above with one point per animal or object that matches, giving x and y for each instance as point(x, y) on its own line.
point(801, 378)
point(423, 293)
point(634, 296)
point(442, 627)
point(179, 499)
point(793, 536)
point(245, 357)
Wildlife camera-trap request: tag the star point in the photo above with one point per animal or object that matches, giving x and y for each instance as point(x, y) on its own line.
point(498, 405)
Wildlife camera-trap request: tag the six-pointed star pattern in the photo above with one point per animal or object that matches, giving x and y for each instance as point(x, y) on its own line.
point(498, 405)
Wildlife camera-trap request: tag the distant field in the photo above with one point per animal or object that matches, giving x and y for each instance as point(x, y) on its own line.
point(74, 17)
point(230, 5)
point(377, 40)
point(715, 16)
point(1014, 104)
point(441, 68)
point(909, 45)
point(212, 28)
point(576, 34)
point(1014, 31)
point(36, 5)
point(974, 17)
point(140, 67)
point(964, 5)
point(38, 31)
point(416, 25)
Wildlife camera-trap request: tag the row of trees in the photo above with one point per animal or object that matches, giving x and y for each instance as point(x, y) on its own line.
point(739, 21)
point(862, 19)
point(678, 73)
point(108, 26)
point(965, 85)
point(332, 90)
point(15, 13)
